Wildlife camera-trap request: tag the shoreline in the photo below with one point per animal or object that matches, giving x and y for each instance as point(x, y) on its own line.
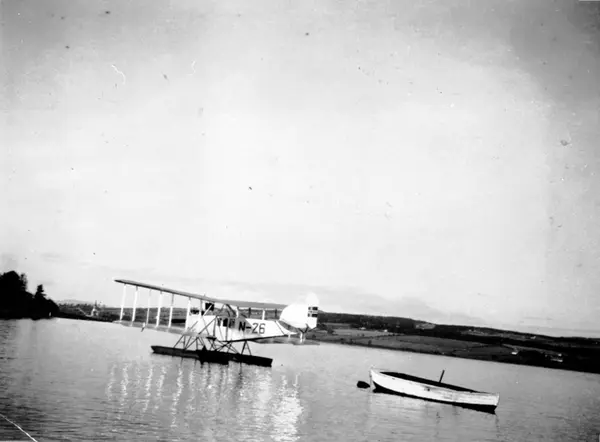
point(476, 343)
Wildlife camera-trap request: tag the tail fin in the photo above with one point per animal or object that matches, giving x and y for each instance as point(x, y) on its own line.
point(302, 316)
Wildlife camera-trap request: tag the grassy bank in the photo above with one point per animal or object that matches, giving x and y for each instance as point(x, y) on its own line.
point(546, 352)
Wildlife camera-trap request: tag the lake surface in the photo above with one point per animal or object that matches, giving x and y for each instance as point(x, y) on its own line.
point(75, 380)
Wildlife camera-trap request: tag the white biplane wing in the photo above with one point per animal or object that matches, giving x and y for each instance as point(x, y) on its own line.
point(239, 304)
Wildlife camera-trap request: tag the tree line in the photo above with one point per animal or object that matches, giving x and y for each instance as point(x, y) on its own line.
point(17, 302)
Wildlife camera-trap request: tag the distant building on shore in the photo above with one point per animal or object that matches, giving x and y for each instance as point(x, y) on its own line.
point(424, 326)
point(95, 312)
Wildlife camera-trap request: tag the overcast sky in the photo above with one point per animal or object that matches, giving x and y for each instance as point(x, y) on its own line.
point(432, 159)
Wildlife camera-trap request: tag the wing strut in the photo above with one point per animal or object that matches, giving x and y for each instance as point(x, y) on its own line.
point(187, 315)
point(171, 310)
point(148, 312)
point(159, 306)
point(123, 301)
point(134, 305)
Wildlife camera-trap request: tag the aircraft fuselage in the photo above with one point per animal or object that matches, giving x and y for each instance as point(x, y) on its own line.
point(231, 328)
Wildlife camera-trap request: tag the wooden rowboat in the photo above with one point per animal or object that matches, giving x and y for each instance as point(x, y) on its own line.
point(406, 385)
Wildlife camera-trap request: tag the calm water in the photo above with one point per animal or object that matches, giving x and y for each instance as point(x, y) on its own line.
point(76, 380)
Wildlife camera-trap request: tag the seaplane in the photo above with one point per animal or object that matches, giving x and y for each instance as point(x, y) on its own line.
point(214, 329)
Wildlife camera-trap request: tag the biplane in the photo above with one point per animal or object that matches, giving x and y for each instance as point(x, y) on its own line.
point(214, 329)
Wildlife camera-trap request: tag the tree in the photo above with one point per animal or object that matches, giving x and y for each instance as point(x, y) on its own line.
point(17, 302)
point(24, 282)
point(39, 293)
point(14, 300)
point(11, 282)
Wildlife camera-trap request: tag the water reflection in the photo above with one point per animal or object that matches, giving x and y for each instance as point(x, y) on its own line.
point(497, 425)
point(160, 385)
point(287, 411)
point(177, 395)
point(436, 421)
point(191, 385)
point(256, 399)
point(8, 351)
point(137, 378)
point(111, 382)
point(148, 388)
point(124, 385)
point(263, 382)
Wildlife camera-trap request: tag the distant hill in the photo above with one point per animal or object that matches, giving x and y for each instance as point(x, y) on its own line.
point(396, 324)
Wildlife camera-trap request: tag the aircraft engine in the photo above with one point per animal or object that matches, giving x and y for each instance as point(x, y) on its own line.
point(302, 316)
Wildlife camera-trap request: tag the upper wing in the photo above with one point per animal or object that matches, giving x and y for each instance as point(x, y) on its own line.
point(230, 302)
point(251, 304)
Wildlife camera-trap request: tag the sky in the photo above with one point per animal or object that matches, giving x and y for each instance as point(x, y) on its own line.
point(432, 159)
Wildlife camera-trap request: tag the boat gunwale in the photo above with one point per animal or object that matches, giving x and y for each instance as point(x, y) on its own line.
point(423, 381)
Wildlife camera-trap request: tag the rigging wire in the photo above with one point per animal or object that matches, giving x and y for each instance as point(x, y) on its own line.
point(20, 429)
